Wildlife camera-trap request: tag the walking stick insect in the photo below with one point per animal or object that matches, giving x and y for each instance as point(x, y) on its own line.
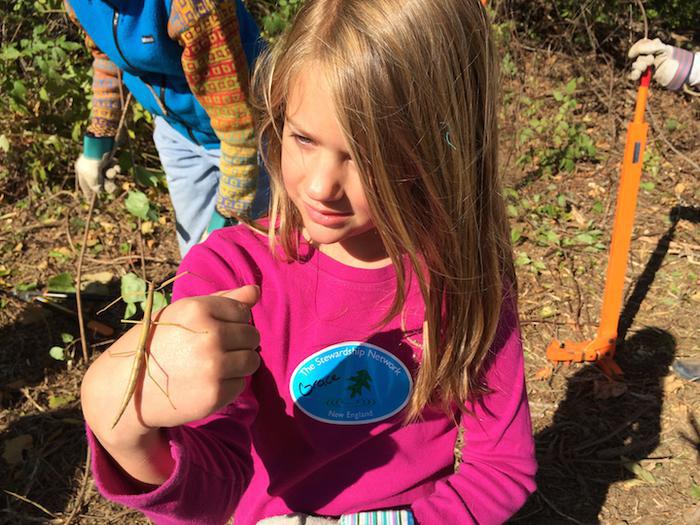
point(141, 355)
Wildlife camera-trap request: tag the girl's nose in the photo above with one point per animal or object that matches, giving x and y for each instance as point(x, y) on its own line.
point(325, 180)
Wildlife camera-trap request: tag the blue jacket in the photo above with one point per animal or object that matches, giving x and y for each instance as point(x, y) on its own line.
point(134, 35)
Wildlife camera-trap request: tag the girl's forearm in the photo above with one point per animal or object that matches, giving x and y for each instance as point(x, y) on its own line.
point(148, 462)
point(142, 452)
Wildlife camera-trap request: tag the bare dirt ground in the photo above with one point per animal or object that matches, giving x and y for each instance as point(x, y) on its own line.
point(610, 453)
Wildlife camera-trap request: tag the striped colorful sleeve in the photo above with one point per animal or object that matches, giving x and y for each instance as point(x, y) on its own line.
point(217, 73)
point(106, 100)
point(379, 517)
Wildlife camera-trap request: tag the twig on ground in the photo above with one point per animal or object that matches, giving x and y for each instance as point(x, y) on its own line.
point(25, 392)
point(78, 275)
point(37, 226)
point(34, 503)
point(81, 492)
point(78, 299)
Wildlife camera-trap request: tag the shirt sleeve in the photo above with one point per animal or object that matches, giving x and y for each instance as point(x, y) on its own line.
point(106, 85)
point(694, 77)
point(213, 463)
point(498, 467)
point(216, 70)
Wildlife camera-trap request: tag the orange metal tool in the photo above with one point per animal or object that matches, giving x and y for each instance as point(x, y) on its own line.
point(601, 350)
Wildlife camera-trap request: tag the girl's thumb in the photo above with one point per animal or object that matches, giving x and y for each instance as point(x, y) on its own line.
point(248, 294)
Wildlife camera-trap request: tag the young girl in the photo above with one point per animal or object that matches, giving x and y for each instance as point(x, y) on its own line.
point(318, 373)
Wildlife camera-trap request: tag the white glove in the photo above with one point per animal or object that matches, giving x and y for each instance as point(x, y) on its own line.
point(673, 65)
point(94, 176)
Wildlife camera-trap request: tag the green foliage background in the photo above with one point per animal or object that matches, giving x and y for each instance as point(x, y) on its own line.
point(45, 80)
point(604, 25)
point(45, 69)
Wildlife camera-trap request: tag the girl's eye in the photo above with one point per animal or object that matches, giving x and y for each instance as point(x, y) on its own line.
point(301, 139)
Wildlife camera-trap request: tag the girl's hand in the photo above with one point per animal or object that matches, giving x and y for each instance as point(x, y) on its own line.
point(200, 354)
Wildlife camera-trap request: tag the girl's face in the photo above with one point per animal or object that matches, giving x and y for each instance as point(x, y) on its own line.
point(321, 178)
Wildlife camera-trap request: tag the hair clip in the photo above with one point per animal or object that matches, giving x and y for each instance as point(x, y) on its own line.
point(447, 135)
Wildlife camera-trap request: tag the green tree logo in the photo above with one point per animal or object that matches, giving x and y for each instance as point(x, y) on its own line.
point(360, 380)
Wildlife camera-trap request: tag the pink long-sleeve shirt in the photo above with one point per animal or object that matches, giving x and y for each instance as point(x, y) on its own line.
point(320, 428)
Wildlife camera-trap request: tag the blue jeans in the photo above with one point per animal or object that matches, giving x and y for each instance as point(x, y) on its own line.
point(192, 173)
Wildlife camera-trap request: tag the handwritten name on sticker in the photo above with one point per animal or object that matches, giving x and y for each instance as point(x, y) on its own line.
point(351, 383)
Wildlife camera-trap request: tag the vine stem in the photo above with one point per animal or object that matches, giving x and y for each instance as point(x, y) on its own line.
point(78, 272)
point(81, 257)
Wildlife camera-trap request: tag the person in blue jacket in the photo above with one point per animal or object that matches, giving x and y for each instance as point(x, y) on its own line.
point(187, 62)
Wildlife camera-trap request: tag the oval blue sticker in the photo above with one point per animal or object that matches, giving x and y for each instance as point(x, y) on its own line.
point(351, 383)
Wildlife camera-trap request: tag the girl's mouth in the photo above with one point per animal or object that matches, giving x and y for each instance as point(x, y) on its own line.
point(327, 218)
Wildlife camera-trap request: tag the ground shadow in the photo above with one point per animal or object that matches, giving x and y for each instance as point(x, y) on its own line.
point(41, 457)
point(594, 441)
point(646, 278)
point(42, 449)
point(597, 433)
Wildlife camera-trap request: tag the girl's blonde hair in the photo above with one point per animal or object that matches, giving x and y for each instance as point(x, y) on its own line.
point(415, 89)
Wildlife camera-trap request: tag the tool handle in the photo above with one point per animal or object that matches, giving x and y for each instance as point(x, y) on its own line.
point(101, 328)
point(98, 327)
point(641, 102)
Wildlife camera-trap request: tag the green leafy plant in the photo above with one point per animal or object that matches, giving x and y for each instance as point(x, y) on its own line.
point(45, 82)
point(62, 282)
point(138, 204)
point(554, 144)
point(133, 292)
point(277, 16)
point(64, 352)
point(603, 24)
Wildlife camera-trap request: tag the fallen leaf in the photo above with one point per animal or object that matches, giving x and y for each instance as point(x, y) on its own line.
point(146, 227)
point(99, 277)
point(62, 250)
point(16, 447)
point(635, 468)
point(60, 401)
point(578, 216)
point(544, 373)
point(547, 311)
